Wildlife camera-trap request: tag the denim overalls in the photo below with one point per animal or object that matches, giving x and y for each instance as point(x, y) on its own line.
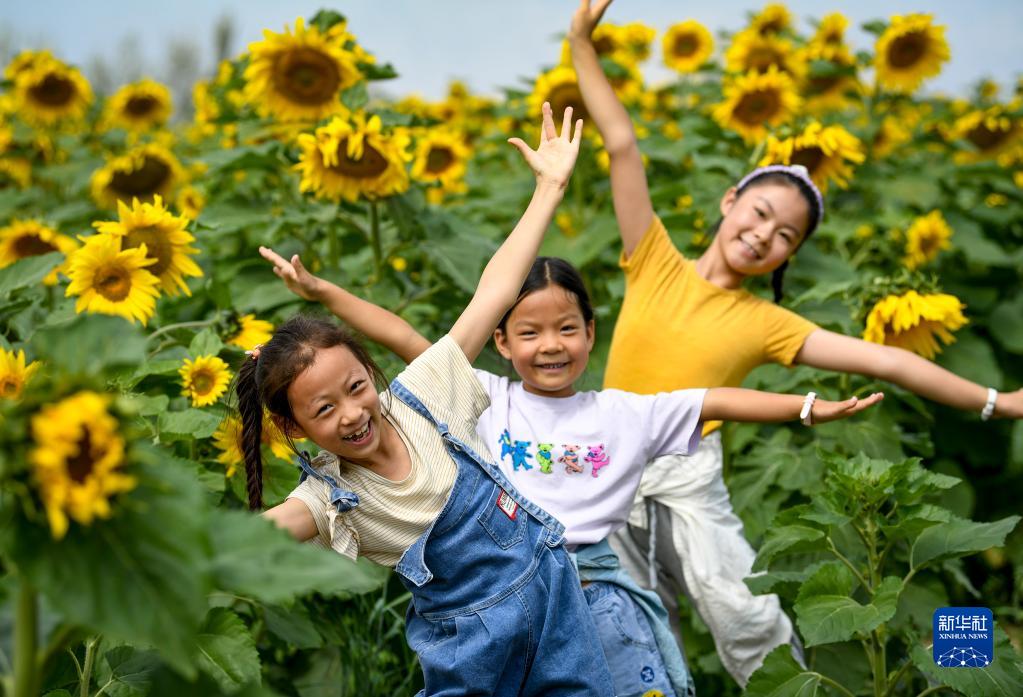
point(497, 607)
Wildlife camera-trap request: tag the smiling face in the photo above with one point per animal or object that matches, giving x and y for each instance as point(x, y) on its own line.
point(548, 341)
point(761, 228)
point(335, 404)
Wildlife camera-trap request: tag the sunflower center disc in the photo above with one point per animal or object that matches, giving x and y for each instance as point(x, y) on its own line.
point(202, 383)
point(439, 160)
point(757, 107)
point(113, 283)
point(567, 95)
point(811, 158)
point(9, 387)
point(80, 466)
point(157, 247)
point(907, 50)
point(985, 138)
point(372, 164)
point(31, 246)
point(142, 182)
point(140, 106)
point(306, 76)
point(685, 46)
point(53, 91)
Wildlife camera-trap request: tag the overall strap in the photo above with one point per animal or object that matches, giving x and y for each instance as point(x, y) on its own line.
point(342, 499)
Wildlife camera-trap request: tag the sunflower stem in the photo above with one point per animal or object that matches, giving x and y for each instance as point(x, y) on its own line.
point(333, 247)
point(90, 659)
point(374, 231)
point(25, 638)
point(181, 325)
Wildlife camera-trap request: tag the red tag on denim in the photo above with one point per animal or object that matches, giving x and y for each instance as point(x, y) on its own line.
point(507, 504)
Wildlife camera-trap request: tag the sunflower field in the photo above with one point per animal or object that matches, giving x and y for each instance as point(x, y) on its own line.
point(131, 287)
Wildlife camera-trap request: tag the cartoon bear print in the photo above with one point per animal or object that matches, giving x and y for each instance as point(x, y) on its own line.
point(570, 459)
point(519, 455)
point(596, 456)
point(506, 444)
point(543, 457)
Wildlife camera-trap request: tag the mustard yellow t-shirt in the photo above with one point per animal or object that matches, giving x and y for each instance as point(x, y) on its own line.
point(676, 330)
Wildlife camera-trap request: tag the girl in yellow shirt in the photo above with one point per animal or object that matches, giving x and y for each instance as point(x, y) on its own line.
point(685, 323)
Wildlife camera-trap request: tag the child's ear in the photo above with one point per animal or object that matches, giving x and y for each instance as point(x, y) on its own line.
point(501, 341)
point(591, 334)
point(728, 200)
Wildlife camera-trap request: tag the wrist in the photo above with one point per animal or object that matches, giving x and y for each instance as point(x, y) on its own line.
point(990, 405)
point(549, 188)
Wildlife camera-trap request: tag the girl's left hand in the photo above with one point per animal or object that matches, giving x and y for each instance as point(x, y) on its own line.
point(295, 276)
point(1009, 405)
point(554, 159)
point(824, 411)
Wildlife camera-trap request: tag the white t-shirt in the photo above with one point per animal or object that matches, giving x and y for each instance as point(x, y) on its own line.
point(580, 458)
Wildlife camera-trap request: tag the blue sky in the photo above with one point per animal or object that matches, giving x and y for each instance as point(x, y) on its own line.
point(487, 44)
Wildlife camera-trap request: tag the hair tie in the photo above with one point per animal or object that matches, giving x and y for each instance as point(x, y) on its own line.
point(796, 172)
point(254, 353)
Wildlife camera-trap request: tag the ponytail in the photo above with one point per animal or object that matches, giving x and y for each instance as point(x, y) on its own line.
point(777, 278)
point(251, 409)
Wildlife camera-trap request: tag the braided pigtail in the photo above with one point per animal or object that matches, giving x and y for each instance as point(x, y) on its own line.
point(777, 279)
point(251, 409)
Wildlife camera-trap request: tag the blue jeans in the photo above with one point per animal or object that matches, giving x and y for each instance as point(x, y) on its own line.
point(497, 607)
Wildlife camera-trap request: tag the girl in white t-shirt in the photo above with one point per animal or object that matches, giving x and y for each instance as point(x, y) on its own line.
point(579, 455)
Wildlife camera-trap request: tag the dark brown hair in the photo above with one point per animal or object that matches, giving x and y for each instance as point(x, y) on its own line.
point(552, 271)
point(263, 383)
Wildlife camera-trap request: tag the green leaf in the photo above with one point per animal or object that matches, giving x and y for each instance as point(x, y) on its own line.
point(193, 422)
point(205, 343)
point(227, 651)
point(246, 157)
point(90, 344)
point(1006, 326)
point(1016, 448)
point(325, 19)
point(781, 676)
point(27, 272)
point(127, 672)
point(356, 96)
point(785, 539)
point(293, 625)
point(958, 538)
point(140, 577)
point(461, 254)
point(972, 358)
point(1003, 677)
point(256, 559)
point(151, 405)
point(826, 612)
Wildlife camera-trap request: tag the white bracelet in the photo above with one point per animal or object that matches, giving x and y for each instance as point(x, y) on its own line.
point(989, 407)
point(806, 413)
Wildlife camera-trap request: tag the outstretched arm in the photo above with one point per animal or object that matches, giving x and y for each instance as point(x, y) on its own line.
point(499, 286)
point(739, 404)
point(372, 321)
point(629, 191)
point(831, 351)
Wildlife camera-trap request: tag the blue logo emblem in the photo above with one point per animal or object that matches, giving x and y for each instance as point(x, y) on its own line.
point(963, 637)
point(647, 674)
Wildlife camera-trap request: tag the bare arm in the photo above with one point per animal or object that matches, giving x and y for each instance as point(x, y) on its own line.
point(379, 325)
point(629, 190)
point(739, 404)
point(293, 516)
point(499, 286)
point(831, 351)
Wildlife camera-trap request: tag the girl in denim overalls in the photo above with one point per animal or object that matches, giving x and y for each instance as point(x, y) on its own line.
point(403, 480)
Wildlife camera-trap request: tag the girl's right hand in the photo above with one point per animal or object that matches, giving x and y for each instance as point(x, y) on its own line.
point(295, 276)
point(586, 18)
point(824, 411)
point(554, 159)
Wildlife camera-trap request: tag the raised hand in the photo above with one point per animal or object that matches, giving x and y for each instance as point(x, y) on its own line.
point(824, 411)
point(586, 18)
point(295, 276)
point(553, 160)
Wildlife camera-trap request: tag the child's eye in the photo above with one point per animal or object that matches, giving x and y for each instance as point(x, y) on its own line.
point(357, 384)
point(786, 236)
point(528, 332)
point(760, 213)
point(568, 328)
point(323, 410)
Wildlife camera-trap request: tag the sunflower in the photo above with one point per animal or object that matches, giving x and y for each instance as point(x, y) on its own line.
point(756, 101)
point(29, 238)
point(14, 374)
point(353, 157)
point(890, 134)
point(831, 30)
point(152, 227)
point(47, 92)
point(912, 321)
point(441, 157)
point(190, 202)
point(78, 460)
point(204, 380)
point(228, 440)
point(25, 61)
point(827, 152)
point(687, 46)
point(139, 106)
point(752, 51)
point(829, 87)
point(299, 76)
point(111, 281)
point(251, 332)
point(925, 238)
point(16, 171)
point(143, 173)
point(636, 39)
point(991, 132)
point(911, 50)
point(773, 19)
point(560, 87)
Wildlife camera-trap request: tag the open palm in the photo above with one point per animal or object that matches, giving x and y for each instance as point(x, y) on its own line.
point(555, 156)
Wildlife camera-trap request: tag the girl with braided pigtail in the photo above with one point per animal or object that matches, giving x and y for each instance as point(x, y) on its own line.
point(403, 480)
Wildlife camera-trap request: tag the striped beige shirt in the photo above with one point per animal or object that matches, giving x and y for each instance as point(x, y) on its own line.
point(392, 515)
